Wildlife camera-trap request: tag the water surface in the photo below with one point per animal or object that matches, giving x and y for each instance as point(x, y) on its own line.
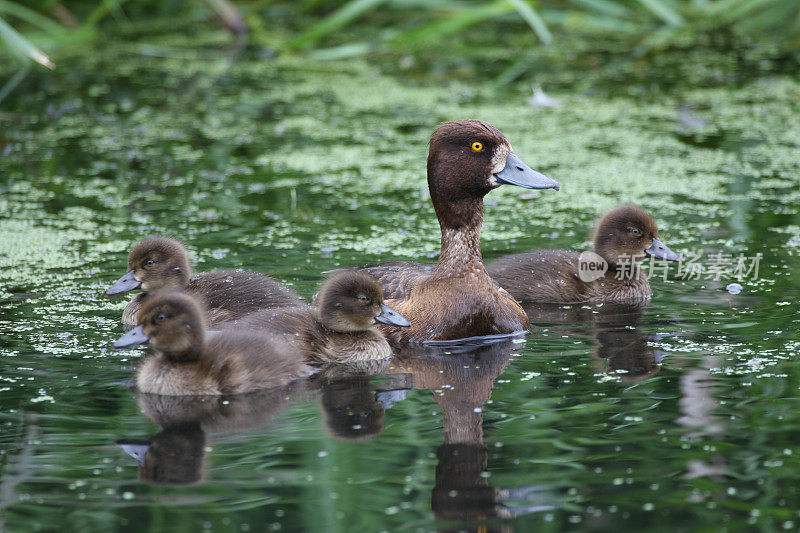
point(678, 415)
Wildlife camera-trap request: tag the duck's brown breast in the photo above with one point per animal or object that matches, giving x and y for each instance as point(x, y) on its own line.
point(158, 376)
point(456, 308)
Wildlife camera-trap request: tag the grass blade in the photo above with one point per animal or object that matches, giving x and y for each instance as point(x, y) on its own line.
point(533, 19)
point(346, 14)
point(663, 11)
point(605, 7)
point(13, 82)
point(30, 16)
point(23, 46)
point(453, 23)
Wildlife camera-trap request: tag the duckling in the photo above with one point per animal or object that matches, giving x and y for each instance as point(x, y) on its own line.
point(187, 363)
point(161, 262)
point(340, 328)
point(456, 298)
point(623, 235)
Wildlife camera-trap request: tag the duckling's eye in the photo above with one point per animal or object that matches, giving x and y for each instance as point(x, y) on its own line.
point(477, 146)
point(363, 299)
point(150, 262)
point(636, 232)
point(161, 317)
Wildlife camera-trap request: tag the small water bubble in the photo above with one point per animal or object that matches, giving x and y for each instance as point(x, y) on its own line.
point(322, 453)
point(128, 495)
point(648, 507)
point(734, 288)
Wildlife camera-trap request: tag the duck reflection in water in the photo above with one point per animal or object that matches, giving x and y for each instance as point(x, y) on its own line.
point(461, 384)
point(350, 399)
point(176, 454)
point(622, 348)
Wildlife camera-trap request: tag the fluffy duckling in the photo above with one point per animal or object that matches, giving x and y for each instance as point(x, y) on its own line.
point(456, 298)
point(187, 363)
point(623, 235)
point(339, 328)
point(162, 263)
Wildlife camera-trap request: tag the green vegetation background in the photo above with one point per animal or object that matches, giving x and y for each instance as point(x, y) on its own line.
point(42, 31)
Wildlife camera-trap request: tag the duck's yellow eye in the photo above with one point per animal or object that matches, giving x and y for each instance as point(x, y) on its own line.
point(477, 146)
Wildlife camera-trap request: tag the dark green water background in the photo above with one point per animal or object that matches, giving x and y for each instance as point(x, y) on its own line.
point(293, 166)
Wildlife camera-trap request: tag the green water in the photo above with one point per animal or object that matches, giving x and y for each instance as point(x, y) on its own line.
point(677, 416)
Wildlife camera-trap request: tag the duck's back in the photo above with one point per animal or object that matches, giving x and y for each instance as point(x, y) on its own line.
point(551, 276)
point(301, 330)
point(244, 361)
point(398, 278)
point(230, 294)
point(227, 295)
point(232, 362)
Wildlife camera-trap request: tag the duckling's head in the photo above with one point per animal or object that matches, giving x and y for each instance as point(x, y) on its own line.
point(352, 301)
point(628, 233)
point(171, 322)
point(469, 158)
point(155, 263)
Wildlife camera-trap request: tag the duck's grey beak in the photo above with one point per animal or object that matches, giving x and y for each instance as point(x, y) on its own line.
point(126, 283)
point(659, 250)
point(391, 317)
point(132, 338)
point(518, 173)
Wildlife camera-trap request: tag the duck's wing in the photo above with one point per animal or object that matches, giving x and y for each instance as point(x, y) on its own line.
point(239, 292)
point(398, 278)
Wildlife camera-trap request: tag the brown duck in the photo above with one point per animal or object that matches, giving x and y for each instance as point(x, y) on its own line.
point(161, 262)
point(187, 363)
point(456, 298)
point(623, 235)
point(339, 328)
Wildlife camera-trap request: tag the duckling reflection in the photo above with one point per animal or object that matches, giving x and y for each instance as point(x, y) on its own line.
point(176, 454)
point(461, 385)
point(622, 349)
point(350, 404)
point(173, 456)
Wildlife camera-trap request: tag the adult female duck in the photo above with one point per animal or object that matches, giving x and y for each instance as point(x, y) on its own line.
point(456, 298)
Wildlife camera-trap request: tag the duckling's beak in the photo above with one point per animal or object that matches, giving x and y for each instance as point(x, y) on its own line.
point(126, 283)
point(132, 338)
point(659, 250)
point(136, 449)
point(518, 173)
point(391, 317)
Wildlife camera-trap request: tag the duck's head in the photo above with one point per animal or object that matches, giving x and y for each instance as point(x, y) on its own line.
point(469, 158)
point(173, 323)
point(351, 301)
point(155, 263)
point(627, 233)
